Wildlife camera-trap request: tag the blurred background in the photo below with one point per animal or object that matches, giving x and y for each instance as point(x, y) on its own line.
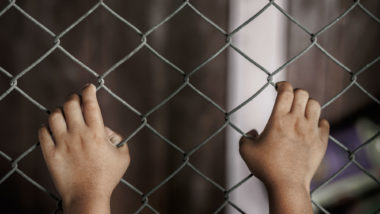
point(144, 80)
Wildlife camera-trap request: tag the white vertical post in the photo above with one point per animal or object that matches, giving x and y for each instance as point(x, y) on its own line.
point(264, 40)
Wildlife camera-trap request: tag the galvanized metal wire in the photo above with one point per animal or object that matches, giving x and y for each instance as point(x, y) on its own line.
point(101, 85)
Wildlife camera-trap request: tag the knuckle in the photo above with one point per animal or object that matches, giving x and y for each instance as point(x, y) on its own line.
point(54, 115)
point(95, 135)
point(301, 93)
point(284, 87)
point(90, 106)
point(70, 103)
point(281, 122)
point(287, 94)
point(314, 103)
point(277, 122)
point(287, 86)
point(299, 124)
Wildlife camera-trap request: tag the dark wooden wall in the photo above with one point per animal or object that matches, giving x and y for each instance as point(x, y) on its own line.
point(354, 41)
point(143, 81)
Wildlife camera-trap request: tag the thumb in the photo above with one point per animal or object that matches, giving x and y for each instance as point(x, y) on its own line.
point(112, 136)
point(249, 136)
point(246, 143)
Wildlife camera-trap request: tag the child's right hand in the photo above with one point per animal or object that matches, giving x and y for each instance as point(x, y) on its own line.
point(293, 143)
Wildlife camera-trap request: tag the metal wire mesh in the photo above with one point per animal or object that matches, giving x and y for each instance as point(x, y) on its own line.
point(187, 83)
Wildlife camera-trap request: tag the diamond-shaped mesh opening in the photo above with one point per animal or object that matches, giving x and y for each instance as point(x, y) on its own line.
point(204, 117)
point(270, 32)
point(154, 170)
point(201, 32)
point(144, 80)
point(87, 40)
point(30, 41)
point(60, 77)
point(329, 74)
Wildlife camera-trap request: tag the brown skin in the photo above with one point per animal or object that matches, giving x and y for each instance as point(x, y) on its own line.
point(81, 154)
point(86, 166)
point(286, 155)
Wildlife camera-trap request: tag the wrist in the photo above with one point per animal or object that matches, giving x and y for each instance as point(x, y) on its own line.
point(288, 184)
point(289, 187)
point(87, 203)
point(289, 198)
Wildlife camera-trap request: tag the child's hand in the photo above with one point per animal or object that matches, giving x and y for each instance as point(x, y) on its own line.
point(81, 154)
point(288, 152)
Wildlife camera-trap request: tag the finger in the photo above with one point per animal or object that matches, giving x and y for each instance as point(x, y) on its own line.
point(57, 123)
point(324, 129)
point(299, 103)
point(46, 141)
point(73, 112)
point(313, 111)
point(284, 98)
point(91, 109)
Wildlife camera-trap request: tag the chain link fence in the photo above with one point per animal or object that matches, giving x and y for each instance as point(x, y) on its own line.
point(13, 87)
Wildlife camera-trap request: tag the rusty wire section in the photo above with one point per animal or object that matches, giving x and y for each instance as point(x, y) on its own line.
point(186, 83)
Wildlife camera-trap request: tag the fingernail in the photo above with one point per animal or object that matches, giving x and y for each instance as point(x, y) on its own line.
point(115, 140)
point(277, 83)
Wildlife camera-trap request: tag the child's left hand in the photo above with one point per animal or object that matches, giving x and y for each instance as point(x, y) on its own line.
point(81, 154)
